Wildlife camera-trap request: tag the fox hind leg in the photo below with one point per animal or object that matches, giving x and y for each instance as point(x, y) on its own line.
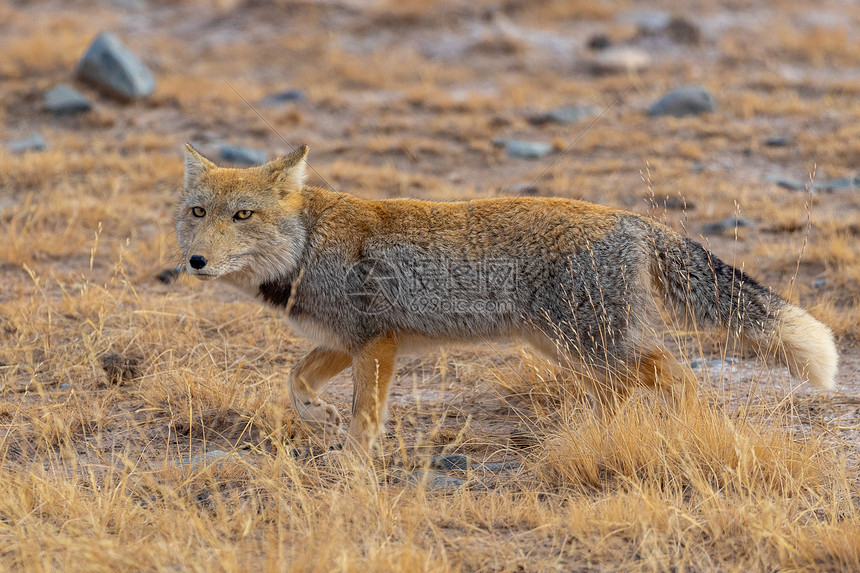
point(653, 368)
point(604, 391)
point(657, 368)
point(609, 386)
point(305, 380)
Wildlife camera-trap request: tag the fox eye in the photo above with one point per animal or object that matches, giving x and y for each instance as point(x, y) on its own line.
point(198, 211)
point(242, 215)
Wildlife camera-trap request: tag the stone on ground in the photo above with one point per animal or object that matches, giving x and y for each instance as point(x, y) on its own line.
point(33, 143)
point(66, 100)
point(684, 101)
point(243, 155)
point(114, 70)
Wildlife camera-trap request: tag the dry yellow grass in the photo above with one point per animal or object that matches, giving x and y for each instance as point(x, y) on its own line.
point(110, 380)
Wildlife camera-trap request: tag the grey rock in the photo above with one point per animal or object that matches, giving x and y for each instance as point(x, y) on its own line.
point(726, 224)
point(599, 42)
point(451, 462)
point(646, 21)
point(114, 70)
point(201, 459)
point(683, 31)
point(778, 141)
point(243, 155)
point(567, 114)
point(65, 386)
point(499, 467)
point(524, 149)
point(33, 143)
point(131, 4)
point(696, 364)
point(674, 203)
point(435, 480)
point(284, 97)
point(65, 100)
point(683, 101)
point(307, 453)
point(790, 184)
point(819, 283)
point(460, 462)
point(842, 183)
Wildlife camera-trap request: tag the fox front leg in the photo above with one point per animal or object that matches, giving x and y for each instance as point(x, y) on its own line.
point(372, 370)
point(304, 382)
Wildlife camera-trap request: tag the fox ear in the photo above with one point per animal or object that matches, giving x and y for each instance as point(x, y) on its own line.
point(290, 170)
point(195, 164)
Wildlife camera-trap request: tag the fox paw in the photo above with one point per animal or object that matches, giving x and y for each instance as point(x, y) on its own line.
point(321, 415)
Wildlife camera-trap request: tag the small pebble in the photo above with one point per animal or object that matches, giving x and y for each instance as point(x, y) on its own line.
point(284, 97)
point(647, 22)
point(65, 100)
point(243, 155)
point(726, 224)
point(201, 459)
point(842, 183)
point(778, 141)
point(675, 203)
point(599, 42)
point(567, 114)
point(432, 479)
point(682, 31)
point(696, 364)
point(498, 467)
point(789, 184)
point(524, 149)
point(32, 143)
point(451, 462)
point(684, 101)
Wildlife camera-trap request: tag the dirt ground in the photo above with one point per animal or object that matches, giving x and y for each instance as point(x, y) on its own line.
point(404, 99)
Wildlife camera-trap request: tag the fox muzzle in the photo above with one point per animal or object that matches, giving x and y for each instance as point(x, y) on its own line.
point(197, 262)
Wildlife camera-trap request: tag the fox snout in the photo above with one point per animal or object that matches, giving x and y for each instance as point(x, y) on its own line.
point(197, 262)
point(203, 267)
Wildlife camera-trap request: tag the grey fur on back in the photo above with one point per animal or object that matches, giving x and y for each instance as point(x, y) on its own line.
point(588, 287)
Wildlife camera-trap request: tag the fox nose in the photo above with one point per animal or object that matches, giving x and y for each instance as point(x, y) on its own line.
point(197, 261)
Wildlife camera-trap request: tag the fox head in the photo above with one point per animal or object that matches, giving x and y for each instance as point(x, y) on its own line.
point(242, 224)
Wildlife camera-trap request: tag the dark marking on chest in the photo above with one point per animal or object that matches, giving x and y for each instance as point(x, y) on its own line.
point(277, 292)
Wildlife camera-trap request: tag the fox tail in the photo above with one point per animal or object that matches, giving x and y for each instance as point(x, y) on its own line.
point(713, 294)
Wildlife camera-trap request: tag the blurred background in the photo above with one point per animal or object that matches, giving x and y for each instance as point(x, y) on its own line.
point(452, 98)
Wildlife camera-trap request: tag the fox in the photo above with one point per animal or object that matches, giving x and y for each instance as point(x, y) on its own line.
point(364, 281)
